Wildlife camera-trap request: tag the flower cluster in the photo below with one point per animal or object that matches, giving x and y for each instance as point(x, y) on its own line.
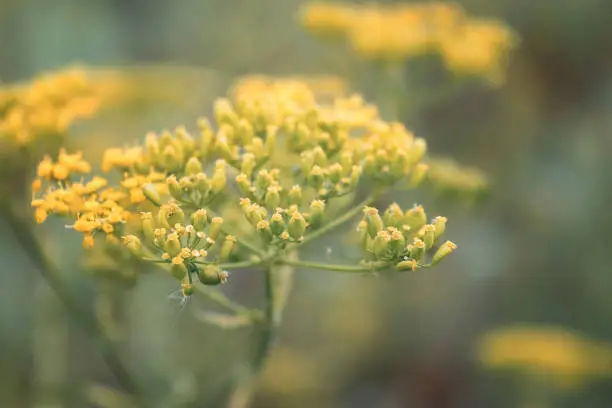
point(565, 356)
point(46, 106)
point(402, 238)
point(400, 31)
point(258, 183)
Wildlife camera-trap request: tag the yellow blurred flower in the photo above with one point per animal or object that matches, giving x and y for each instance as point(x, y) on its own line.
point(566, 356)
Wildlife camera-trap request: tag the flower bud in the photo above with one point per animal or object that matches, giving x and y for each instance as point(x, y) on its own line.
point(174, 214)
point(398, 242)
point(193, 166)
point(429, 236)
point(270, 144)
point(418, 174)
point(273, 198)
point(346, 161)
point(277, 224)
point(151, 193)
point(307, 161)
point(187, 289)
point(415, 218)
point(445, 249)
point(354, 176)
point(219, 178)
point(199, 219)
point(244, 185)
point(215, 227)
point(263, 180)
point(416, 250)
point(407, 265)
point(212, 275)
point(316, 177)
point(297, 226)
point(320, 159)
point(132, 242)
point(264, 230)
point(248, 164)
point(173, 244)
point(227, 247)
point(335, 173)
point(317, 211)
point(380, 246)
point(171, 157)
point(148, 226)
point(178, 268)
point(375, 223)
point(393, 216)
point(416, 152)
point(295, 195)
point(440, 224)
point(203, 185)
point(173, 187)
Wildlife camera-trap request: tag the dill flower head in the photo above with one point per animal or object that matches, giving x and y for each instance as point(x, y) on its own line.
point(397, 32)
point(46, 106)
point(566, 356)
point(267, 172)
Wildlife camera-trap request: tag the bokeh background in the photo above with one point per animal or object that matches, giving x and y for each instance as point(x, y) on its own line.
point(535, 253)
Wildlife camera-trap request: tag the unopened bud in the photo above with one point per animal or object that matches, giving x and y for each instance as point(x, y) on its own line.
point(244, 185)
point(417, 151)
point(440, 224)
point(407, 265)
point(215, 227)
point(429, 236)
point(375, 223)
point(393, 216)
point(380, 246)
point(199, 219)
point(178, 268)
point(317, 211)
point(277, 224)
point(316, 177)
point(415, 218)
point(264, 230)
point(219, 178)
point(398, 242)
point(151, 193)
point(273, 198)
point(297, 226)
point(132, 242)
point(212, 275)
point(148, 226)
point(193, 166)
point(295, 195)
point(416, 250)
point(248, 164)
point(173, 244)
point(445, 249)
point(227, 247)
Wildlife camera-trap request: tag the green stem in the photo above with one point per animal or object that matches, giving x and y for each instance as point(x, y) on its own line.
point(24, 235)
point(278, 282)
point(333, 268)
point(338, 221)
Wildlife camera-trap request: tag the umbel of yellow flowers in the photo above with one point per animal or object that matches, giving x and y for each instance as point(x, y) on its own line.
point(276, 164)
point(46, 106)
point(397, 32)
point(563, 356)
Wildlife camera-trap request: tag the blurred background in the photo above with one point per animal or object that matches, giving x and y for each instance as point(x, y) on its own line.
point(530, 288)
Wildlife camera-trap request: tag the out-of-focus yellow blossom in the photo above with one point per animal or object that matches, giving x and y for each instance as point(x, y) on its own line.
point(478, 47)
point(46, 106)
point(327, 19)
point(565, 356)
point(397, 32)
point(448, 176)
point(272, 161)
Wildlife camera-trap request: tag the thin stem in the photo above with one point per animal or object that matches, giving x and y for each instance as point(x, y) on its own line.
point(334, 268)
point(23, 233)
point(338, 221)
point(278, 282)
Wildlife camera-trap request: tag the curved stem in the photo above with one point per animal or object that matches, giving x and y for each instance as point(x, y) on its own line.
point(219, 298)
point(22, 231)
point(278, 282)
point(338, 221)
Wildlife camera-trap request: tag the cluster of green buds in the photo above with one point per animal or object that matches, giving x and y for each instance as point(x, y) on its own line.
point(403, 239)
point(189, 246)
